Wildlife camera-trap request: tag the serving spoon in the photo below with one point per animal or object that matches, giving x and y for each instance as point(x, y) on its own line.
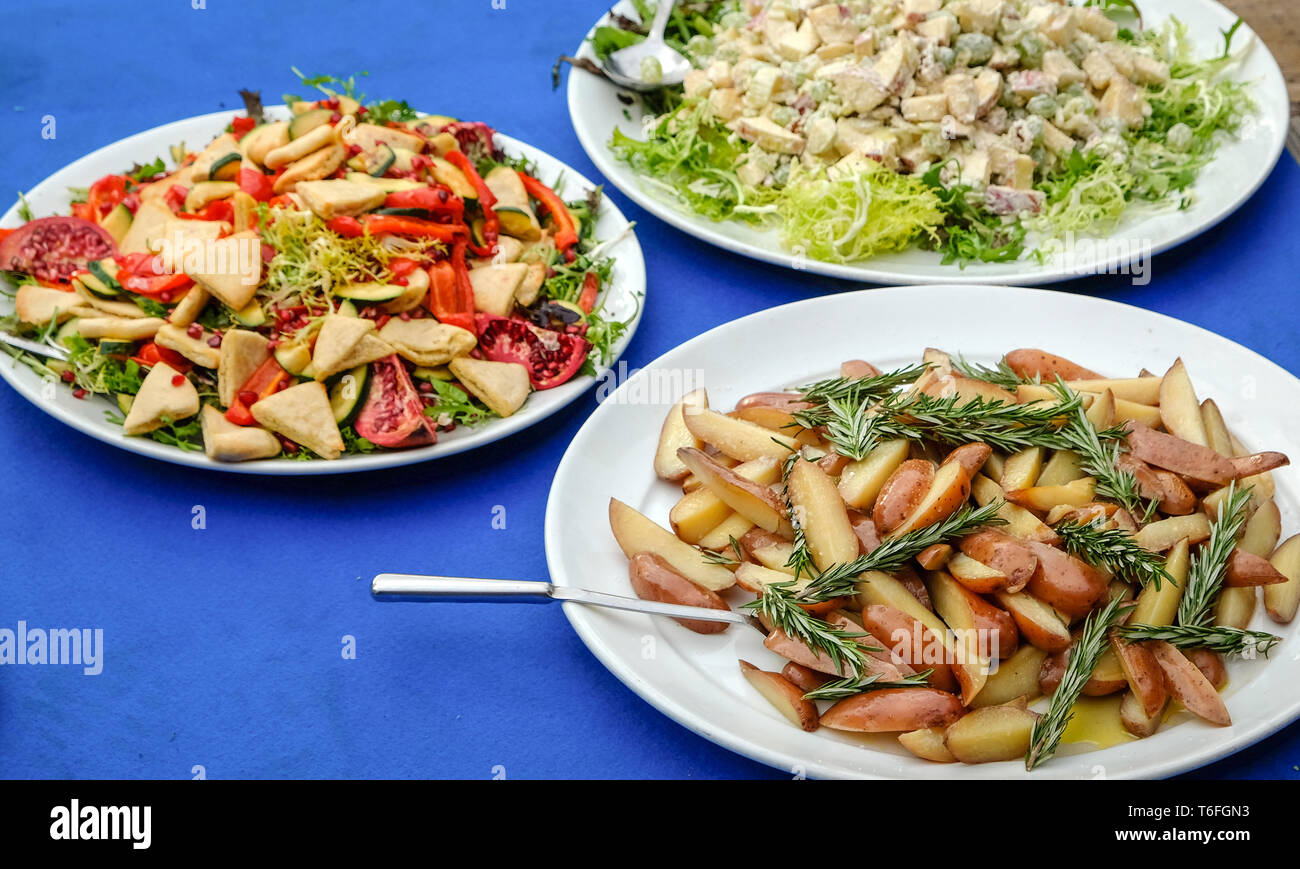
point(627, 66)
point(36, 347)
point(412, 587)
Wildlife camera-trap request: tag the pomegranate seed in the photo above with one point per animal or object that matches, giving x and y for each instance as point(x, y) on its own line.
point(194, 330)
point(363, 111)
point(178, 379)
point(406, 316)
point(425, 386)
point(284, 384)
point(68, 376)
point(247, 397)
point(335, 118)
point(442, 195)
point(78, 393)
point(401, 282)
point(165, 296)
point(214, 341)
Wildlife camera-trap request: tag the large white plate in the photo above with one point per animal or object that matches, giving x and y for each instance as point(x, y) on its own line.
point(624, 295)
point(694, 678)
point(1240, 166)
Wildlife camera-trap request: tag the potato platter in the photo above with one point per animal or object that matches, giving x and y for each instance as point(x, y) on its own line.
point(978, 563)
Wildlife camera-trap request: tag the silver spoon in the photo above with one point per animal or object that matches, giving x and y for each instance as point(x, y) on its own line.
point(409, 587)
point(36, 347)
point(626, 67)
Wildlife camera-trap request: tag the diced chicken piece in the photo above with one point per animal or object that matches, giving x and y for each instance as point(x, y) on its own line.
point(725, 104)
point(800, 44)
point(882, 149)
point(827, 53)
point(1031, 82)
point(980, 16)
point(962, 99)
point(1004, 58)
point(855, 134)
point(988, 87)
point(1148, 70)
point(1022, 172)
point(975, 167)
point(696, 83)
point(719, 73)
point(1061, 27)
point(1008, 200)
point(768, 135)
point(1098, 68)
point(1124, 102)
point(821, 134)
point(1002, 161)
point(865, 44)
point(941, 28)
point(1056, 141)
point(776, 29)
point(921, 7)
point(833, 23)
point(860, 88)
point(1095, 22)
point(914, 158)
point(931, 107)
point(951, 128)
point(1120, 55)
point(1058, 63)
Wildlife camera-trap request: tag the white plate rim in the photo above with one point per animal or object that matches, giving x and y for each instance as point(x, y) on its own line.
point(1081, 765)
point(628, 288)
point(1276, 117)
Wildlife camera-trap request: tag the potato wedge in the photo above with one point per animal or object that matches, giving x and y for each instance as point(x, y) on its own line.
point(1045, 498)
point(654, 579)
point(803, 678)
point(1017, 676)
point(1135, 720)
point(934, 557)
point(914, 644)
point(861, 481)
point(975, 575)
point(823, 516)
point(974, 643)
point(902, 493)
point(720, 536)
point(1194, 460)
point(738, 438)
point(1030, 363)
point(1217, 435)
point(784, 696)
point(927, 744)
point(1064, 582)
point(1188, 685)
point(1103, 412)
point(1281, 601)
point(894, 710)
point(857, 368)
point(750, 497)
point(1039, 624)
point(1262, 531)
point(970, 456)
point(1157, 605)
point(1144, 676)
point(1020, 522)
point(1003, 553)
point(1211, 665)
point(635, 533)
point(949, 490)
point(1247, 570)
point(1021, 469)
point(674, 435)
point(793, 649)
point(1162, 535)
point(1107, 676)
point(1180, 410)
point(1235, 607)
point(991, 734)
point(1140, 390)
point(1065, 466)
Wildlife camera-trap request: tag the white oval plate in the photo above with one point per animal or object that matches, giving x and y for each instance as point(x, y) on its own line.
point(624, 301)
point(1239, 167)
point(695, 680)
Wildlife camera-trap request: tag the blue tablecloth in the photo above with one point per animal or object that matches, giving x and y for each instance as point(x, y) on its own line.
point(223, 647)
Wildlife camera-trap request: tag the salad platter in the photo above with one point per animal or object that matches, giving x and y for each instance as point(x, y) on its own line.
point(967, 142)
point(953, 439)
point(319, 287)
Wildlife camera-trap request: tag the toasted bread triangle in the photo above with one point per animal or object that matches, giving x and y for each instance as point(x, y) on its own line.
point(302, 414)
point(502, 386)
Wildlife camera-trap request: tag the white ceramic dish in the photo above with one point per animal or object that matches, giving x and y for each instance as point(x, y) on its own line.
point(695, 679)
point(1239, 168)
point(51, 196)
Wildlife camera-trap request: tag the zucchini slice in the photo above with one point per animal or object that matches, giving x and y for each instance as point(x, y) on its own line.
point(303, 124)
point(348, 393)
point(370, 292)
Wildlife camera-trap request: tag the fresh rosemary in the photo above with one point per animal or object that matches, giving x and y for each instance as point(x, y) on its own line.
point(1099, 451)
point(800, 559)
point(1209, 563)
point(1083, 659)
point(715, 557)
point(841, 688)
point(856, 390)
point(1114, 550)
point(840, 579)
point(1001, 425)
point(999, 375)
point(1218, 638)
point(777, 606)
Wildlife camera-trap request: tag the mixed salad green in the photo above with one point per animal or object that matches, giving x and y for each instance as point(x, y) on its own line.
point(976, 128)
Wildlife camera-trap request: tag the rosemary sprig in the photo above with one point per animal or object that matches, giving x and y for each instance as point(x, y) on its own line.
point(1114, 550)
point(840, 580)
point(856, 390)
point(999, 375)
point(841, 688)
point(777, 606)
point(999, 424)
point(1083, 659)
point(1218, 638)
point(1099, 451)
point(715, 557)
point(800, 559)
point(851, 428)
point(1209, 563)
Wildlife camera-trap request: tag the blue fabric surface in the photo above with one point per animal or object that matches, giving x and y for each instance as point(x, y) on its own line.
point(223, 645)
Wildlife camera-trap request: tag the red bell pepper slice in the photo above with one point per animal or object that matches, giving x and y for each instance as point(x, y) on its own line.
point(486, 198)
point(439, 201)
point(255, 184)
point(106, 193)
point(175, 198)
point(151, 354)
point(222, 209)
point(348, 227)
point(85, 211)
point(590, 290)
point(241, 126)
point(451, 297)
point(263, 382)
point(566, 233)
point(157, 286)
point(402, 266)
point(378, 224)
